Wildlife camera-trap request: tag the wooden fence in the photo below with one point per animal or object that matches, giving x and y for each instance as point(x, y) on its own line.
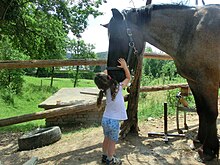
point(12, 64)
point(78, 108)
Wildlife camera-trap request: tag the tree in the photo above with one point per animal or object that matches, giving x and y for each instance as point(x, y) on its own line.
point(73, 14)
point(78, 49)
point(39, 28)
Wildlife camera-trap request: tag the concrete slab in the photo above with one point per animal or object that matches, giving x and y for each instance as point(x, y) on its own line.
point(70, 96)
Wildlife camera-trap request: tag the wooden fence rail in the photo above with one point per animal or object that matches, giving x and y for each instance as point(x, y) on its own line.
point(12, 64)
point(47, 114)
point(162, 87)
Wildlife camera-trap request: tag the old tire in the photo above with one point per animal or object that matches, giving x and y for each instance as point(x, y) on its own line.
point(39, 138)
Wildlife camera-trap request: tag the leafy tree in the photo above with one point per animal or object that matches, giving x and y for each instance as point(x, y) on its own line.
point(73, 13)
point(39, 27)
point(169, 70)
point(78, 49)
point(159, 68)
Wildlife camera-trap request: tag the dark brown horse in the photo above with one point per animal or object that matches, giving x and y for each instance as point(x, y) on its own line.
point(192, 37)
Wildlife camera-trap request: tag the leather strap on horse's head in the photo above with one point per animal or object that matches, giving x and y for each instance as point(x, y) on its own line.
point(130, 44)
point(131, 48)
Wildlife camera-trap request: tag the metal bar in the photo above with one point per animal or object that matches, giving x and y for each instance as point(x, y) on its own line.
point(165, 122)
point(156, 134)
point(165, 134)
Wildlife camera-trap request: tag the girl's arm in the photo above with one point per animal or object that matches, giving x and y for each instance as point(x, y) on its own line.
point(123, 65)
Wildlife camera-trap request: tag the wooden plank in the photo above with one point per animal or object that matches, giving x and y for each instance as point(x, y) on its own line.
point(160, 88)
point(13, 64)
point(89, 93)
point(10, 64)
point(157, 56)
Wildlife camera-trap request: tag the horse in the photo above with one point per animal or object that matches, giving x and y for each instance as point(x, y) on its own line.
point(191, 36)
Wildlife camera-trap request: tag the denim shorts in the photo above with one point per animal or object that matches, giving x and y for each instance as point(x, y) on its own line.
point(111, 128)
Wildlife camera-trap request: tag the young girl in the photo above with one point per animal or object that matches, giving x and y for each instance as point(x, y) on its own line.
point(115, 111)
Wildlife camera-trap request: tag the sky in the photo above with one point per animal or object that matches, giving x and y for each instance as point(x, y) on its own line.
point(98, 36)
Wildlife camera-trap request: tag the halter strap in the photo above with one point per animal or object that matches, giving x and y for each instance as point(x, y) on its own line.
point(131, 48)
point(113, 68)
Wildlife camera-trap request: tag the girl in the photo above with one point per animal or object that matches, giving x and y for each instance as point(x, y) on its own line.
point(115, 110)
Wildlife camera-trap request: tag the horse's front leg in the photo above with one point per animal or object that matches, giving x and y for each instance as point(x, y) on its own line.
point(206, 99)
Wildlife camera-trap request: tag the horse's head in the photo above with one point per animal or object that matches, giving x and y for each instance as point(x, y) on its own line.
point(125, 41)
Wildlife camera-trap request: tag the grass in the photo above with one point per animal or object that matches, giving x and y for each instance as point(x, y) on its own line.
point(36, 90)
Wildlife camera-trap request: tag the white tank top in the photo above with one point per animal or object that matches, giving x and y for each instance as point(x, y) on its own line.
point(115, 109)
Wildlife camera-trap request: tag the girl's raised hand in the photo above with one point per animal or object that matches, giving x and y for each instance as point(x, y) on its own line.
point(122, 63)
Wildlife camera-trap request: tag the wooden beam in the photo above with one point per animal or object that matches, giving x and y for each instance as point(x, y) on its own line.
point(48, 113)
point(160, 88)
point(157, 56)
point(11, 64)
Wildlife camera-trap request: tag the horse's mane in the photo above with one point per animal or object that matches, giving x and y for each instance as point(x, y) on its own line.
point(168, 6)
point(144, 13)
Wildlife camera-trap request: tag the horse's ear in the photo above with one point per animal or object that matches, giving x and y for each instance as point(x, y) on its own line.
point(104, 25)
point(148, 2)
point(117, 15)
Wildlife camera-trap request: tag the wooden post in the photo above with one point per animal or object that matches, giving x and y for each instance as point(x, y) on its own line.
point(52, 76)
point(131, 125)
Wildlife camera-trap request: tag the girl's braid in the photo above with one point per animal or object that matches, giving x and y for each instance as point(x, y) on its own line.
point(114, 89)
point(99, 99)
point(104, 82)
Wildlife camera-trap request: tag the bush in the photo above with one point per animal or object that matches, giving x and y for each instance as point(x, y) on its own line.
point(11, 80)
point(7, 95)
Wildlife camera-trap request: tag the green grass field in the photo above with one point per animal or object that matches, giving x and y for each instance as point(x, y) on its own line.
point(36, 90)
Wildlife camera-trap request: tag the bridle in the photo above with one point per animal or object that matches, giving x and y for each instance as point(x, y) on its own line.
point(131, 48)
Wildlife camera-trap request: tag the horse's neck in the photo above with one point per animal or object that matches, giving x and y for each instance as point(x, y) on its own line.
point(166, 28)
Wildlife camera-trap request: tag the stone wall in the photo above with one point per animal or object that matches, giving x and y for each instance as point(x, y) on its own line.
point(90, 116)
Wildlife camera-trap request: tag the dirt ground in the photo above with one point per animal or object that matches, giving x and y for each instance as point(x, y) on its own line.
point(84, 147)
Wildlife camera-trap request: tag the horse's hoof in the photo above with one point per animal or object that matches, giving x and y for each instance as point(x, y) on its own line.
point(195, 145)
point(197, 158)
point(205, 157)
